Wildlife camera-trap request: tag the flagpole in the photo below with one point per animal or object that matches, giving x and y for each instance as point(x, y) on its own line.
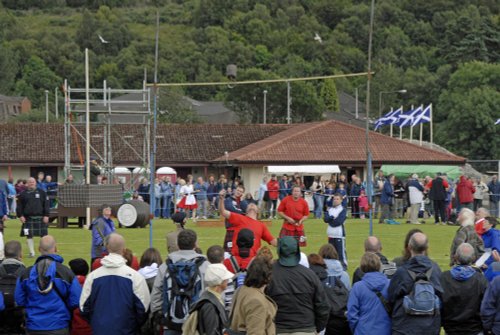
point(431, 125)
point(411, 128)
point(401, 128)
point(391, 123)
point(421, 126)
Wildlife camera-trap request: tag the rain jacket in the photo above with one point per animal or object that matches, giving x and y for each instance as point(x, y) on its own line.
point(365, 312)
point(48, 291)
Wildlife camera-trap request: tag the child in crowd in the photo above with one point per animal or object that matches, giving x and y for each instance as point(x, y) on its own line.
point(79, 326)
point(363, 204)
point(341, 190)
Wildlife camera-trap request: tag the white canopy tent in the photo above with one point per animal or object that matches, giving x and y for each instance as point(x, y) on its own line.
point(303, 169)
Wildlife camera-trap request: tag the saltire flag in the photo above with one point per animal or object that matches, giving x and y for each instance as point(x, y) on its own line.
point(423, 117)
point(498, 122)
point(389, 118)
point(406, 119)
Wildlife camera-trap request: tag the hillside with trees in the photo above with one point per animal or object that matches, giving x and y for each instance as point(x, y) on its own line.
point(443, 52)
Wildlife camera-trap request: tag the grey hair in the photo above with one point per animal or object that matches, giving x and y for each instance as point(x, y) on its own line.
point(414, 176)
point(467, 217)
point(465, 254)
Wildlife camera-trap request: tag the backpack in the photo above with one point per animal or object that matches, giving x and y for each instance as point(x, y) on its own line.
point(337, 295)
point(186, 286)
point(388, 269)
point(240, 274)
point(12, 317)
point(191, 324)
point(422, 299)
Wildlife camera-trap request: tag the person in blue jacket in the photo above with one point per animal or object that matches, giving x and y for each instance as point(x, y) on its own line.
point(101, 227)
point(335, 217)
point(48, 291)
point(367, 307)
point(386, 199)
point(2, 304)
point(491, 237)
point(490, 308)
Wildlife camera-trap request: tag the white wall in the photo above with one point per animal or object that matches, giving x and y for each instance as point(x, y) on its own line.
point(252, 177)
point(18, 172)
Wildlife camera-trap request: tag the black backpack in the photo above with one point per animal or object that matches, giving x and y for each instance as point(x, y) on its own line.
point(337, 295)
point(11, 319)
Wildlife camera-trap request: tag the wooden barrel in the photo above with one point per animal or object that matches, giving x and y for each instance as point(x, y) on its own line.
point(133, 214)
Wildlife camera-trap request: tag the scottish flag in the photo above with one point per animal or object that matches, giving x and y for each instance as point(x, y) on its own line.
point(498, 122)
point(389, 118)
point(406, 119)
point(423, 117)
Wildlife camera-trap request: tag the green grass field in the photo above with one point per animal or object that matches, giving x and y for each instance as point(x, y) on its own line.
point(74, 242)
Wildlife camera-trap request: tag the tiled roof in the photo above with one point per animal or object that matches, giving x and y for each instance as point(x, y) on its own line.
point(336, 142)
point(40, 143)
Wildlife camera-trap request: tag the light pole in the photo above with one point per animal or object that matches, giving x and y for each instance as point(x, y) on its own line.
point(356, 96)
point(265, 106)
point(46, 106)
point(380, 100)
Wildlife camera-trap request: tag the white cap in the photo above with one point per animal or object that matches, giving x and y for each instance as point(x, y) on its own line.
point(216, 274)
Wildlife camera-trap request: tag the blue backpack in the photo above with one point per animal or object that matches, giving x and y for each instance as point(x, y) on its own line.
point(182, 287)
point(422, 299)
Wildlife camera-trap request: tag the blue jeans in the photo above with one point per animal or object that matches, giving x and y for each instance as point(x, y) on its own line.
point(167, 205)
point(157, 207)
point(171, 332)
point(494, 208)
point(318, 206)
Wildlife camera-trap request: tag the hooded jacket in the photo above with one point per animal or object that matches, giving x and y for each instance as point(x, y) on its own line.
point(48, 291)
point(464, 291)
point(465, 190)
point(491, 239)
point(402, 284)
point(365, 312)
point(387, 193)
point(335, 269)
point(490, 307)
point(115, 298)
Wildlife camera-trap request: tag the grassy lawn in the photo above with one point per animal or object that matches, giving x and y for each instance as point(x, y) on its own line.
point(74, 242)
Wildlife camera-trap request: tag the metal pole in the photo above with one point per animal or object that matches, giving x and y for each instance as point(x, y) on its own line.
point(380, 104)
point(288, 103)
point(87, 129)
point(153, 152)
point(56, 103)
point(368, 154)
point(357, 104)
point(265, 106)
point(46, 106)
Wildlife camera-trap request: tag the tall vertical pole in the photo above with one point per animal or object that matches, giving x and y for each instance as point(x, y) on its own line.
point(369, 180)
point(265, 107)
point(391, 123)
point(87, 130)
point(46, 106)
point(356, 102)
point(56, 103)
point(288, 103)
point(431, 127)
point(67, 143)
point(153, 135)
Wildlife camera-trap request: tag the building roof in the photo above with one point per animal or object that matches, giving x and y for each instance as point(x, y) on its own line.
point(7, 99)
point(334, 142)
point(40, 143)
point(327, 142)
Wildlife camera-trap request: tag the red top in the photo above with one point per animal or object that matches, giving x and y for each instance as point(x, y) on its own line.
point(80, 326)
point(465, 190)
point(296, 209)
point(273, 187)
point(445, 184)
point(242, 262)
point(259, 229)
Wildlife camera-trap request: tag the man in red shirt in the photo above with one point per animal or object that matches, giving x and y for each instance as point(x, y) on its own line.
point(465, 192)
point(273, 188)
point(294, 210)
point(238, 222)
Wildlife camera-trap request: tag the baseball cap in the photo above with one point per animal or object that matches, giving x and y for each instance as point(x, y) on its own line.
point(244, 241)
point(288, 251)
point(216, 274)
point(179, 217)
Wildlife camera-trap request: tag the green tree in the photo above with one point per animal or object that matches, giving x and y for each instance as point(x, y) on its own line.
point(470, 107)
point(329, 95)
point(36, 78)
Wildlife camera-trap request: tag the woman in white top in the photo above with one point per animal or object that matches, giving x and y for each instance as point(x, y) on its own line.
point(188, 201)
point(481, 190)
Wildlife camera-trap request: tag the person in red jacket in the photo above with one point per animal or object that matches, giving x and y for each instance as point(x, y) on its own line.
point(79, 326)
point(465, 192)
point(295, 210)
point(273, 188)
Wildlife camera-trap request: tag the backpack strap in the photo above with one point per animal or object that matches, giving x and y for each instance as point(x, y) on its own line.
point(3, 272)
point(428, 273)
point(412, 274)
point(234, 264)
point(384, 303)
